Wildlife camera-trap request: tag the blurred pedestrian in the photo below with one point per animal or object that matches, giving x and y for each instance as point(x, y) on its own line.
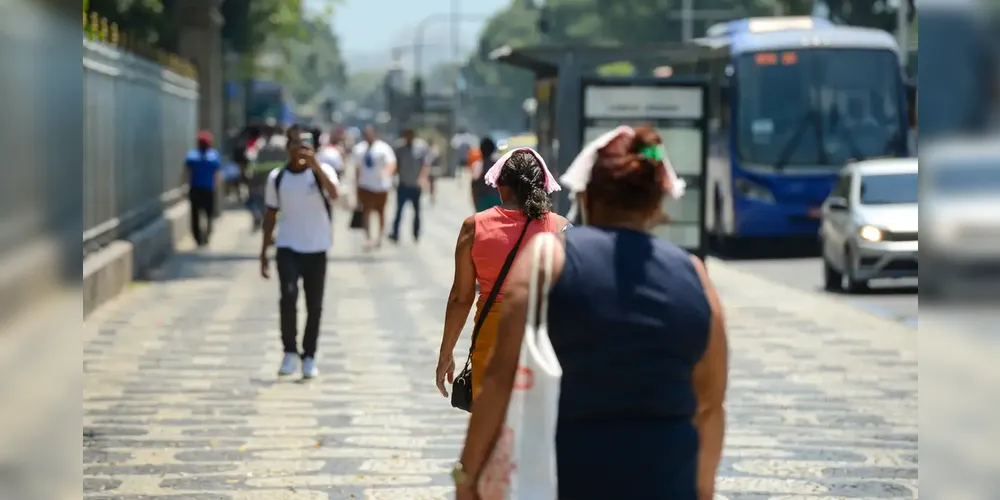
point(375, 166)
point(461, 143)
point(202, 174)
point(639, 333)
point(302, 191)
point(435, 168)
point(484, 244)
point(483, 196)
point(412, 173)
point(331, 154)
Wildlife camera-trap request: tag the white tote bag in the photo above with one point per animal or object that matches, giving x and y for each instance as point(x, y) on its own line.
point(522, 465)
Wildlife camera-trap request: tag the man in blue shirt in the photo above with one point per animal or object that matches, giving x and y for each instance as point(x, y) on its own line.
point(202, 170)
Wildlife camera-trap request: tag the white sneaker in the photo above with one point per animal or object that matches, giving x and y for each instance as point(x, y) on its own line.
point(289, 364)
point(309, 369)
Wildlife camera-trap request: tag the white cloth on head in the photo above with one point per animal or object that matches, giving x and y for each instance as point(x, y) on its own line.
point(578, 174)
point(493, 174)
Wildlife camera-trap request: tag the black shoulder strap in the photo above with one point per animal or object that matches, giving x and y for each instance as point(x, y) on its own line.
point(277, 185)
point(497, 285)
point(326, 202)
point(277, 191)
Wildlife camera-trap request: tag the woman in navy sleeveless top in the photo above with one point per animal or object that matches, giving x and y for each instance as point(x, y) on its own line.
point(639, 332)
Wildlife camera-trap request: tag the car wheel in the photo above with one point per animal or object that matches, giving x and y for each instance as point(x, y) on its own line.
point(849, 283)
point(832, 279)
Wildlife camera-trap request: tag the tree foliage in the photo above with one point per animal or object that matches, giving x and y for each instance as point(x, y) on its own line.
point(312, 61)
point(497, 90)
point(248, 25)
point(871, 13)
point(145, 21)
point(307, 45)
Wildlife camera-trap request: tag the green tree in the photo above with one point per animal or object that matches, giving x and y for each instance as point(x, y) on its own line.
point(871, 13)
point(312, 61)
point(496, 91)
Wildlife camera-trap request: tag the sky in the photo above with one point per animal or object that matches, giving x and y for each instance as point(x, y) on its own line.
point(369, 29)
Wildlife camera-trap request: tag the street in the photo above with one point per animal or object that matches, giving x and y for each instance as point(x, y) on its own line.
point(181, 398)
point(892, 299)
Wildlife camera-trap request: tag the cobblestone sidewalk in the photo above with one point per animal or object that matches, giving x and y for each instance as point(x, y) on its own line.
point(181, 400)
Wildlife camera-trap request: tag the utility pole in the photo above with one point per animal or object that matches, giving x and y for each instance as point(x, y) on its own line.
point(456, 19)
point(687, 13)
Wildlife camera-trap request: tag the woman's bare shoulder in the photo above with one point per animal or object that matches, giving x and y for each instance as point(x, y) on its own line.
point(469, 224)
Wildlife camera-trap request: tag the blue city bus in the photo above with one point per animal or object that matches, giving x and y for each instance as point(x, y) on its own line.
point(793, 100)
point(267, 102)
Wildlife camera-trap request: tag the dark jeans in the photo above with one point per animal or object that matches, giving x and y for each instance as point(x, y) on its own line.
point(404, 195)
point(311, 269)
point(255, 204)
point(202, 205)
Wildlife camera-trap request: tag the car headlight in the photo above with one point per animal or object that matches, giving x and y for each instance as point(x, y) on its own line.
point(752, 190)
point(871, 233)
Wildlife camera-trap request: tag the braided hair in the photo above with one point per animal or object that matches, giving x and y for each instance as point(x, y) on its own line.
point(524, 175)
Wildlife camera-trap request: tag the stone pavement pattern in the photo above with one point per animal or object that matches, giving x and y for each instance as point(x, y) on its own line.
point(181, 400)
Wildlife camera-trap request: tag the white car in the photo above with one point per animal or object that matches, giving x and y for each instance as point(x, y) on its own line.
point(868, 225)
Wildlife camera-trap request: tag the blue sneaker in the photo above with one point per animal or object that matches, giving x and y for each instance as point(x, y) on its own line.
point(309, 369)
point(289, 364)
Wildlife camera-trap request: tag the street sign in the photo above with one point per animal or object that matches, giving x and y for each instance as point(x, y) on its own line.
point(678, 111)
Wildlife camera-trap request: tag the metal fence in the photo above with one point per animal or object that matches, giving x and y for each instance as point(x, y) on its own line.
point(139, 121)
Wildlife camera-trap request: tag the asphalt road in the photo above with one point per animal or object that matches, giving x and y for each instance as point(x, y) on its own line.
point(896, 299)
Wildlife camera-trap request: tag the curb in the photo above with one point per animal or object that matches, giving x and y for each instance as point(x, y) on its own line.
point(109, 271)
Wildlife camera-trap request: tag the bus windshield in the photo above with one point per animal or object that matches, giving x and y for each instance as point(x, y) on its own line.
point(819, 106)
point(265, 104)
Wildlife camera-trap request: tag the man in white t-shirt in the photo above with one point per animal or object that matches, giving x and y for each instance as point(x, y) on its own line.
point(301, 191)
point(375, 166)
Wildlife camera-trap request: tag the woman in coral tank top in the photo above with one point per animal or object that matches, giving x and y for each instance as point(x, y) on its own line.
point(486, 239)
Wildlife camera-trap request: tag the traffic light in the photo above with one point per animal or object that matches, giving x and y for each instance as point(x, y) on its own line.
point(418, 94)
point(328, 108)
point(544, 21)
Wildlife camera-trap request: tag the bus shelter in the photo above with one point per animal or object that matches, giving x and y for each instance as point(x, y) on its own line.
point(575, 105)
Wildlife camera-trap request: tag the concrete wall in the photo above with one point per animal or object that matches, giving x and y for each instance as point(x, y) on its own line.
point(110, 271)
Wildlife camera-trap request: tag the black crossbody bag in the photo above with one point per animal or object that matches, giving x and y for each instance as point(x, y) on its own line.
point(461, 388)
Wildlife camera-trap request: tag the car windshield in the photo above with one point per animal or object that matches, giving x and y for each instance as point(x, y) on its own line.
point(819, 106)
point(889, 189)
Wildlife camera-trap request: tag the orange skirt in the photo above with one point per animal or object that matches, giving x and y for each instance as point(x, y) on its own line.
point(484, 345)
